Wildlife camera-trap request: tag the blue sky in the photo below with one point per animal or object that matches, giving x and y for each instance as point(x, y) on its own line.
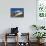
point(16, 9)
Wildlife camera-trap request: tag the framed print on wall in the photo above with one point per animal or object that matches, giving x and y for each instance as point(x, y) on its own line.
point(41, 8)
point(17, 12)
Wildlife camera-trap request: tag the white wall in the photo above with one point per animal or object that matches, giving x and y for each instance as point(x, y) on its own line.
point(23, 23)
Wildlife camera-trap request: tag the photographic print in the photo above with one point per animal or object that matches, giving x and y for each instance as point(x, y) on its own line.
point(17, 12)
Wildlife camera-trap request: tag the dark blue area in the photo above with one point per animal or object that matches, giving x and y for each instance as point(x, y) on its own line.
point(13, 10)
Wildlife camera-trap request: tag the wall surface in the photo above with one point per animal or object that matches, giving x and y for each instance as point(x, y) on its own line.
point(24, 24)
